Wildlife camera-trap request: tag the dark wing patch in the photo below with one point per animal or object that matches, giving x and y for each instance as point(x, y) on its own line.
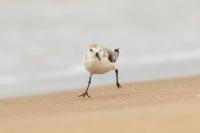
point(110, 57)
point(113, 55)
point(117, 52)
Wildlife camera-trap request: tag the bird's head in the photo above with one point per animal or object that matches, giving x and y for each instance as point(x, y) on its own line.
point(95, 50)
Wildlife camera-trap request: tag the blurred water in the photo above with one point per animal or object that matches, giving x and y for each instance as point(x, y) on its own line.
point(42, 42)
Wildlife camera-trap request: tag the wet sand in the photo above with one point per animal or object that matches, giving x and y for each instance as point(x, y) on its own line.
point(157, 106)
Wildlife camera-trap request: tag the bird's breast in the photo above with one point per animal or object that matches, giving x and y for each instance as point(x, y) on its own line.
point(94, 66)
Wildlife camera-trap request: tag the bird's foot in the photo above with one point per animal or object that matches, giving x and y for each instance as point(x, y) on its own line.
point(84, 94)
point(118, 85)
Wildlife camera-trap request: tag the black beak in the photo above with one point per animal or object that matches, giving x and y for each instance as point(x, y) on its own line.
point(97, 55)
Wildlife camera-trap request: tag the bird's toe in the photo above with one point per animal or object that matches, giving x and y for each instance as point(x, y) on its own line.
point(84, 94)
point(118, 85)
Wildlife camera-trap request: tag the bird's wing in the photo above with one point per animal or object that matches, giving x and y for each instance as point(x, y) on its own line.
point(111, 55)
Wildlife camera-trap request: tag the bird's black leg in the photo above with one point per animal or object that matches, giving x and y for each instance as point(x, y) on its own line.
point(117, 82)
point(86, 91)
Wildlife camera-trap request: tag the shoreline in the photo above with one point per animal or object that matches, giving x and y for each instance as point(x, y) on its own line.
point(165, 105)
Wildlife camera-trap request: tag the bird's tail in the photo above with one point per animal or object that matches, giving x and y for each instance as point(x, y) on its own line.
point(117, 52)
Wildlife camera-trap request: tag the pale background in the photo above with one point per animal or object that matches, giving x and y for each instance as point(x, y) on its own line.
point(42, 42)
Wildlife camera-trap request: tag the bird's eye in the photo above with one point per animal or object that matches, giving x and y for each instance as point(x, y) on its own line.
point(91, 50)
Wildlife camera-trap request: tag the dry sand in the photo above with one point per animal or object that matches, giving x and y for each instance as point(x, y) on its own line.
point(167, 106)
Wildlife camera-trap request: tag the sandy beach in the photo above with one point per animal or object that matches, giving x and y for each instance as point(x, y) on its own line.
point(154, 107)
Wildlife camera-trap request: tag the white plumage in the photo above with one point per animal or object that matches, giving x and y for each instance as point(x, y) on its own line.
point(99, 60)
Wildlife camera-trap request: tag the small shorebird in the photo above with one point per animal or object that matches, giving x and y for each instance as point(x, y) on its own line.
point(100, 60)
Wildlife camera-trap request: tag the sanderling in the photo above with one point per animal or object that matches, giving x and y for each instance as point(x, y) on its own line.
point(100, 60)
